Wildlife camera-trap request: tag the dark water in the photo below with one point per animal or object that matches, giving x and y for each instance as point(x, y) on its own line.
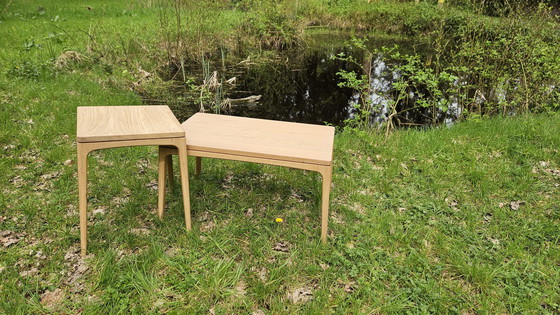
point(299, 84)
point(302, 87)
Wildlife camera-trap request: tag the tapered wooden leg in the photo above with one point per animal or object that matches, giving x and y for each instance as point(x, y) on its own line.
point(161, 182)
point(169, 163)
point(182, 148)
point(327, 177)
point(82, 193)
point(198, 166)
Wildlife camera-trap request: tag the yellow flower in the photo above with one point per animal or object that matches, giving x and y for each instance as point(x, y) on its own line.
point(279, 220)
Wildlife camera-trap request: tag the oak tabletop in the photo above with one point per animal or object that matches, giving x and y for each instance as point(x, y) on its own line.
point(271, 139)
point(114, 123)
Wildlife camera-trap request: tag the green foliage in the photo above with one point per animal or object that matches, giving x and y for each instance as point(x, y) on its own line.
point(480, 66)
point(417, 87)
point(364, 107)
point(515, 66)
point(30, 70)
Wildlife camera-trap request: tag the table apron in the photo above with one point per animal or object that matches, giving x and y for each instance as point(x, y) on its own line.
point(245, 158)
point(86, 147)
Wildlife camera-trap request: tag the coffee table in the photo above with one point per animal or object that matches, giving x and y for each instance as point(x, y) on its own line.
point(295, 145)
point(103, 127)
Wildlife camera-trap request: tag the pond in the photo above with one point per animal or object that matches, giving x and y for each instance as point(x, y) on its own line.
point(300, 84)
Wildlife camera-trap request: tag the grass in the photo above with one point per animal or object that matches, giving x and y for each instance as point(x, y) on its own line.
point(446, 220)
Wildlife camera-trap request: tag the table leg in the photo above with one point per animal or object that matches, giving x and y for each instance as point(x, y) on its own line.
point(161, 181)
point(198, 166)
point(182, 148)
point(326, 173)
point(82, 193)
point(165, 164)
point(169, 163)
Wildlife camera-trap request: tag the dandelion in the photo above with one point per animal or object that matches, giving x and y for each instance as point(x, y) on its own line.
point(279, 220)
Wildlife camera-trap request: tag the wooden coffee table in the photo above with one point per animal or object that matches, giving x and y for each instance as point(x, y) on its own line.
point(295, 145)
point(103, 127)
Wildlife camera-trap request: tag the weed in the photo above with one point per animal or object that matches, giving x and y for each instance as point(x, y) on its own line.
point(30, 70)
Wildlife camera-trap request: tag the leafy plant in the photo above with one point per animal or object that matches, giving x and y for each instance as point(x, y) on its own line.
point(418, 91)
point(30, 70)
point(424, 91)
point(362, 83)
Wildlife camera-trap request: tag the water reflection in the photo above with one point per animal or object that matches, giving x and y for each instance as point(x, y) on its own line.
point(302, 86)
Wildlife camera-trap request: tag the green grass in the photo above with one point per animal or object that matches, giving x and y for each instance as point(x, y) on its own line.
point(420, 222)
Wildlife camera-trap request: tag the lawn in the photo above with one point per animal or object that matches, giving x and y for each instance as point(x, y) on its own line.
point(460, 219)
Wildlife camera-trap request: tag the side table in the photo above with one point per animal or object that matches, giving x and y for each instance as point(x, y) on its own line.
point(288, 144)
point(104, 127)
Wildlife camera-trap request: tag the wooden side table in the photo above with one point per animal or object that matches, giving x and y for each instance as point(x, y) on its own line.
point(103, 127)
point(295, 145)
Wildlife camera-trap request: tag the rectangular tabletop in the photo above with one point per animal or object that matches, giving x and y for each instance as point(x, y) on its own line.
point(279, 140)
point(113, 123)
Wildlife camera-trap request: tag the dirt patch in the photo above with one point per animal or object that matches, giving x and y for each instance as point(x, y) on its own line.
point(8, 238)
point(513, 205)
point(51, 299)
point(77, 267)
point(300, 295)
point(283, 247)
point(67, 59)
